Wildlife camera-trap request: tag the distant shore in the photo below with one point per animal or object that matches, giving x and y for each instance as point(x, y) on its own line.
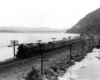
point(36, 32)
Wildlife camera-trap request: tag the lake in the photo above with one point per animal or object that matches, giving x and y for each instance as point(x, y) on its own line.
point(5, 40)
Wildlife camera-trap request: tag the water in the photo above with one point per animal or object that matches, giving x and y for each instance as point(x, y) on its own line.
point(87, 69)
point(5, 40)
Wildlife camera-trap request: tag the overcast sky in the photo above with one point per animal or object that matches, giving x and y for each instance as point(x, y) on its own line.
point(44, 13)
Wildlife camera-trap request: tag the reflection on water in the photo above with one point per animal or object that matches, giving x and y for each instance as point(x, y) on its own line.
point(87, 69)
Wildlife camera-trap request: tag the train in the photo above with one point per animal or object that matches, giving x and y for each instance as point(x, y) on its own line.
point(34, 49)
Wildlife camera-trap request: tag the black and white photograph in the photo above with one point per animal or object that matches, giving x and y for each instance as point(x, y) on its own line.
point(49, 40)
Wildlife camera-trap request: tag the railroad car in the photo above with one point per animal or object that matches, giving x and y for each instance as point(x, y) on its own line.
point(30, 50)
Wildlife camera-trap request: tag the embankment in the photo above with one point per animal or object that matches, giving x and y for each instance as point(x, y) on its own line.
point(57, 65)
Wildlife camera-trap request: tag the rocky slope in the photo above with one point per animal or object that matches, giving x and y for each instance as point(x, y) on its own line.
point(90, 24)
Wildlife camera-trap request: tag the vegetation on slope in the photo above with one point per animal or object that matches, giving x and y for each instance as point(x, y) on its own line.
point(90, 24)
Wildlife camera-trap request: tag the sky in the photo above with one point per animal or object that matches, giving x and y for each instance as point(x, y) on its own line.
point(44, 13)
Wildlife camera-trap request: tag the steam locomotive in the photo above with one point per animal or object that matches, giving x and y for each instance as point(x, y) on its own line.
point(33, 49)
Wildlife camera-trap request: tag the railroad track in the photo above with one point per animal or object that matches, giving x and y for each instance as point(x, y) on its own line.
point(14, 63)
point(8, 61)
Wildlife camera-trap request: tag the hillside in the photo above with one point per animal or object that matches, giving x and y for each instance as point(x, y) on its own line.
point(90, 24)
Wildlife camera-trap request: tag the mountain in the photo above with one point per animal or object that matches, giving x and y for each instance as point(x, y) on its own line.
point(89, 24)
point(29, 30)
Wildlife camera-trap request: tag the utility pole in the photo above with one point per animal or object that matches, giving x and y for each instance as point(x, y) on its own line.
point(54, 39)
point(89, 44)
point(14, 47)
point(69, 37)
point(64, 39)
point(83, 45)
point(42, 60)
point(93, 41)
point(70, 53)
point(41, 52)
point(13, 44)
